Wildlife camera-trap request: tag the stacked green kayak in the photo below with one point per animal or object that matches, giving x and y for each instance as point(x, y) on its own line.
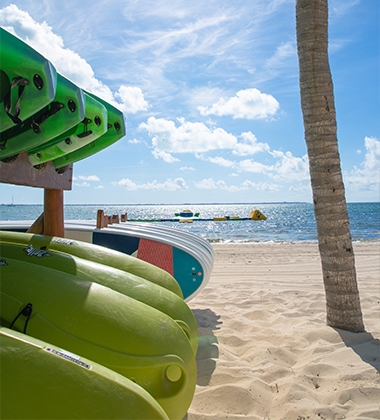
point(42, 381)
point(46, 115)
point(28, 81)
point(130, 325)
point(85, 331)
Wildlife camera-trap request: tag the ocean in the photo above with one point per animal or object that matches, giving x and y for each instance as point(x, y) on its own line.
point(286, 222)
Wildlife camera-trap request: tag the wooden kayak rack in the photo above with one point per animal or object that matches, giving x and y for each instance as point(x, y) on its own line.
point(19, 171)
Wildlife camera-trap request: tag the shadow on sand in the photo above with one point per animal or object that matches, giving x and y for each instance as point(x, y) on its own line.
point(364, 344)
point(208, 349)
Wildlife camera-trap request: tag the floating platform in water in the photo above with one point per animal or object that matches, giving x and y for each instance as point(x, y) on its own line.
point(182, 218)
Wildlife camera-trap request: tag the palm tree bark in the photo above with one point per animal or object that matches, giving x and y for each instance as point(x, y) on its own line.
point(317, 102)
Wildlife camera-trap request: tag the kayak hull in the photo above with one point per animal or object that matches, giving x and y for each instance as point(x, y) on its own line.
point(128, 284)
point(63, 113)
point(38, 380)
point(116, 130)
point(28, 79)
point(100, 324)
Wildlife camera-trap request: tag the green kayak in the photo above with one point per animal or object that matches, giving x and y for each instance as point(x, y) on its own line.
point(42, 381)
point(63, 113)
point(96, 253)
point(116, 130)
point(93, 125)
point(27, 80)
point(128, 284)
point(98, 323)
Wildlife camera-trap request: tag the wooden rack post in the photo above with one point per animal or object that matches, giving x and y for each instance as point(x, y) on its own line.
point(53, 213)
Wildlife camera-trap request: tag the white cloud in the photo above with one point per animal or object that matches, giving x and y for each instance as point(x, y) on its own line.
point(132, 99)
point(367, 176)
point(341, 7)
point(196, 137)
point(82, 184)
point(281, 56)
point(186, 168)
point(166, 157)
point(290, 167)
point(260, 186)
point(220, 161)
point(41, 37)
point(250, 104)
point(249, 165)
point(249, 145)
point(88, 178)
point(206, 184)
point(286, 167)
point(169, 185)
point(210, 184)
point(188, 137)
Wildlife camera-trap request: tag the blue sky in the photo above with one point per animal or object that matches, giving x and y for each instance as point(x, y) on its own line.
point(209, 90)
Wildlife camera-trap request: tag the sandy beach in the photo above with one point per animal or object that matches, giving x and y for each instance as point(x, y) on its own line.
point(265, 351)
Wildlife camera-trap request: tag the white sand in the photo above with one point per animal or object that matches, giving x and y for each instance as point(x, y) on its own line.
point(265, 350)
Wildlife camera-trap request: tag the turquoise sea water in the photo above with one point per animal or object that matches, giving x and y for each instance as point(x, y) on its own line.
point(286, 222)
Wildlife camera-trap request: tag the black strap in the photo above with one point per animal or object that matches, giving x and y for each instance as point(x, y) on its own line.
point(86, 132)
point(19, 82)
point(26, 311)
point(53, 109)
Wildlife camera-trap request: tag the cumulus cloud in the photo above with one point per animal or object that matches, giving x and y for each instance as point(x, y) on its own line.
point(249, 165)
point(166, 157)
point(218, 160)
point(249, 145)
point(87, 178)
point(289, 167)
point(367, 176)
point(132, 99)
point(82, 184)
point(169, 185)
point(285, 166)
point(196, 137)
point(210, 184)
point(41, 37)
point(249, 104)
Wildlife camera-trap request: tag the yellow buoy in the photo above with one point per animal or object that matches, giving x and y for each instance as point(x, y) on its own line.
point(257, 215)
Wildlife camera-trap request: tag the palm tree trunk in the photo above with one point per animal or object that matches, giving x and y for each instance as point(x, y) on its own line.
point(330, 208)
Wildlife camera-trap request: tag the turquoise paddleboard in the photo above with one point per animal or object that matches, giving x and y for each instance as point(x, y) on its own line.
point(42, 381)
point(63, 113)
point(187, 257)
point(28, 81)
point(116, 130)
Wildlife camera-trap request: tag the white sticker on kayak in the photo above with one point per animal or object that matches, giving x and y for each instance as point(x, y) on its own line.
point(68, 356)
point(64, 241)
point(34, 252)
